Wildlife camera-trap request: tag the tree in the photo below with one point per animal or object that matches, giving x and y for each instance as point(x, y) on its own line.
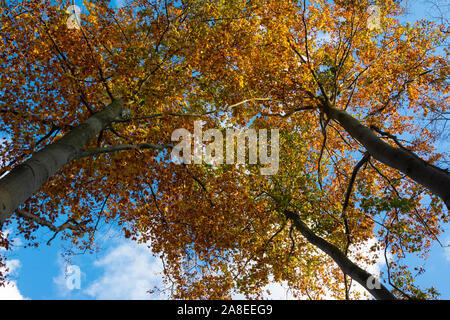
point(343, 103)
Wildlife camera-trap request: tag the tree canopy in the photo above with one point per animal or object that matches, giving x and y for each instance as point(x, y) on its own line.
point(87, 115)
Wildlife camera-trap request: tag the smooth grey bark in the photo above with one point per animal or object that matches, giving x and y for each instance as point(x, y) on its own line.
point(24, 180)
point(431, 177)
point(379, 291)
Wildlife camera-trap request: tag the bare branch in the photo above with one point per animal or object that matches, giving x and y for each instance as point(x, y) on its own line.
point(93, 152)
point(69, 224)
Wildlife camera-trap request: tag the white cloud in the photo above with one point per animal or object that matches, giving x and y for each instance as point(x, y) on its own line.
point(129, 271)
point(10, 291)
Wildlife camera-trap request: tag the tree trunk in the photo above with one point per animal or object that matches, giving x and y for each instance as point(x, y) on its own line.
point(434, 179)
point(361, 276)
point(24, 180)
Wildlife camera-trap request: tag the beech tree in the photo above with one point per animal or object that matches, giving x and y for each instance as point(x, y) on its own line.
point(89, 104)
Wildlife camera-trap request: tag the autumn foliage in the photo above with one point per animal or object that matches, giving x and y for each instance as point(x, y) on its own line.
point(224, 230)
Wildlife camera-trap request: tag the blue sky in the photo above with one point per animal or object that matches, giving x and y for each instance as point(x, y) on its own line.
point(123, 269)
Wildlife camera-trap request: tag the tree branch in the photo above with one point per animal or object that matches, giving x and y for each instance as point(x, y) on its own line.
point(69, 224)
point(346, 265)
point(140, 146)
